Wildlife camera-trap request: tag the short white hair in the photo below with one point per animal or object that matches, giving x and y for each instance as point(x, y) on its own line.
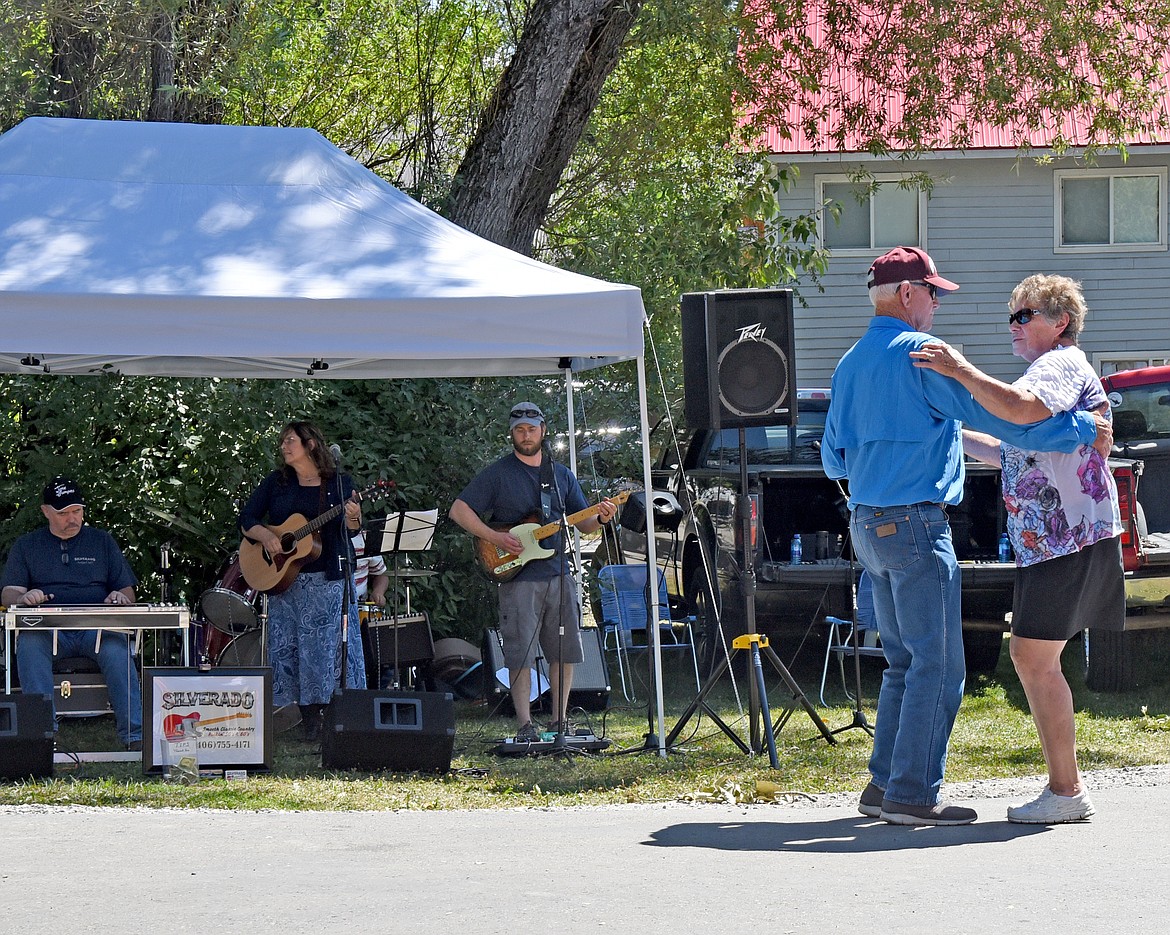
point(885, 291)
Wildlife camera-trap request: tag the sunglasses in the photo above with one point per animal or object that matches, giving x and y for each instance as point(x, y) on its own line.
point(526, 414)
point(1022, 316)
point(64, 555)
point(931, 287)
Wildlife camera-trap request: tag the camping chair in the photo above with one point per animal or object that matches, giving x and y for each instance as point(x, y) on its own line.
point(840, 642)
point(623, 620)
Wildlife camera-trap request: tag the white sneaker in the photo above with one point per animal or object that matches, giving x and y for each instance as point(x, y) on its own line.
point(1052, 809)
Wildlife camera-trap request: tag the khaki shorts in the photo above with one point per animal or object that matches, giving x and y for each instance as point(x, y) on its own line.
point(532, 608)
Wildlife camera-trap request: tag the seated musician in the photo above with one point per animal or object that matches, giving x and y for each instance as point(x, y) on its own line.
point(370, 576)
point(67, 562)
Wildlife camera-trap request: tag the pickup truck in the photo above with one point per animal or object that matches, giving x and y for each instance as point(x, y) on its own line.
point(695, 505)
point(1140, 400)
point(697, 535)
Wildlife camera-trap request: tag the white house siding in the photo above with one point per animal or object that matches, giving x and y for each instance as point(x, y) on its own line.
point(989, 224)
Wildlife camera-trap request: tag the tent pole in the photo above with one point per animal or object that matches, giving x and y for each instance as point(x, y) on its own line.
point(578, 569)
point(651, 552)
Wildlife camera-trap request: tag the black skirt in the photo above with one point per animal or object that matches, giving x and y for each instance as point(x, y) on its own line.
point(1058, 598)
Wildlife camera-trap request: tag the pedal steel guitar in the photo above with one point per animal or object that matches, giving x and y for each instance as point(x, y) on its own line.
point(124, 618)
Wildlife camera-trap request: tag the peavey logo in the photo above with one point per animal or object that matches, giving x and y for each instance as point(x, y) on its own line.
point(751, 332)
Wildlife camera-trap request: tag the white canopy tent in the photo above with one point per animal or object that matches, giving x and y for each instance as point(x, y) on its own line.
point(188, 250)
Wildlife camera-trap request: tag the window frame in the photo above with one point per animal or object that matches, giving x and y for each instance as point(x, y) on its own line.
point(880, 179)
point(1058, 177)
point(1111, 359)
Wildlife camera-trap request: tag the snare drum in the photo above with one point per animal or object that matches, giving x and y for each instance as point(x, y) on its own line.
point(230, 606)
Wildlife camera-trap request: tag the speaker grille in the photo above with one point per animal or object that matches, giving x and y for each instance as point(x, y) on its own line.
point(753, 377)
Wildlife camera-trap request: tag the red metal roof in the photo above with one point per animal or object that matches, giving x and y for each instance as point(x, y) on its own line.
point(861, 98)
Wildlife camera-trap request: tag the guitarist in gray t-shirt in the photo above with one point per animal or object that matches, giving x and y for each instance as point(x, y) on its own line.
point(525, 494)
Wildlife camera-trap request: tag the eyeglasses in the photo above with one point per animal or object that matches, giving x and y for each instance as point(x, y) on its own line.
point(931, 287)
point(1022, 316)
point(64, 555)
point(527, 414)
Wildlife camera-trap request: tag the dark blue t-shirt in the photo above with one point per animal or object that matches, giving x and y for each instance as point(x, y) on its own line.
point(507, 492)
point(95, 566)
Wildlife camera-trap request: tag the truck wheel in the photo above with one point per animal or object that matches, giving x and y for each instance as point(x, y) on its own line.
point(1109, 660)
point(701, 606)
point(981, 650)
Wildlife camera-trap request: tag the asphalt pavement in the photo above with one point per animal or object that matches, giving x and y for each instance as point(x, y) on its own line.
point(809, 866)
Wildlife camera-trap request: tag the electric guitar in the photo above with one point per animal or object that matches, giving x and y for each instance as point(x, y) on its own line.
point(300, 544)
point(504, 566)
point(178, 726)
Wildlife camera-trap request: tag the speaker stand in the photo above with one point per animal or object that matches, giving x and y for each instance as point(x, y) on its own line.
point(759, 714)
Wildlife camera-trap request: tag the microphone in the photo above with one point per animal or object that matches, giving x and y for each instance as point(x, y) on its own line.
point(335, 450)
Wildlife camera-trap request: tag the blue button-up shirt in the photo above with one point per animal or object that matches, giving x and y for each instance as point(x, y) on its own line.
point(894, 430)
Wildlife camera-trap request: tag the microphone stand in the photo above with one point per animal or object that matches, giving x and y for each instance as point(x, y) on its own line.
point(346, 580)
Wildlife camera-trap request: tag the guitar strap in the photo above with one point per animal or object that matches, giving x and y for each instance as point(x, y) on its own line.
point(546, 488)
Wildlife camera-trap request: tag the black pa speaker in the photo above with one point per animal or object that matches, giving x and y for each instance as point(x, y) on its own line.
point(26, 736)
point(590, 677)
point(739, 358)
point(402, 731)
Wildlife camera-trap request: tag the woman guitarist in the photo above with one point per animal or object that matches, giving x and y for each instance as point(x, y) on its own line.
point(304, 620)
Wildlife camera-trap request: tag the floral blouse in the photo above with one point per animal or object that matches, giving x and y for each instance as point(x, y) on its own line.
point(1059, 503)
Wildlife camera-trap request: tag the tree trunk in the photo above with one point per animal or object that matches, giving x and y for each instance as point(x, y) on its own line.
point(530, 128)
point(162, 68)
point(72, 64)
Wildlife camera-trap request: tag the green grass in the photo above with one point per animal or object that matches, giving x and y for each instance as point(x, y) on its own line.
point(994, 737)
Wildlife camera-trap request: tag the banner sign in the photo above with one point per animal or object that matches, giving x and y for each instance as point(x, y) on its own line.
point(226, 712)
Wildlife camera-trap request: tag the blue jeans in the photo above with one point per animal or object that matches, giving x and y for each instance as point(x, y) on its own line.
point(34, 662)
point(908, 553)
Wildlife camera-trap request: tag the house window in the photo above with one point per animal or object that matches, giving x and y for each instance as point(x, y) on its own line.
point(1114, 210)
point(870, 218)
point(1106, 364)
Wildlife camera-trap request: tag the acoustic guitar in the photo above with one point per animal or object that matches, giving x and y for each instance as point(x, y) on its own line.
point(504, 566)
point(300, 544)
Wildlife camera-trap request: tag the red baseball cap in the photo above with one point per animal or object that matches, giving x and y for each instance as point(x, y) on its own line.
point(907, 263)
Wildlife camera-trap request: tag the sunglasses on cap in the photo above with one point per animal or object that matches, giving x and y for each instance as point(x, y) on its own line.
point(526, 414)
point(1022, 316)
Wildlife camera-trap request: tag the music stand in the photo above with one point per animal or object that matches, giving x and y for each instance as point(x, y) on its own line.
point(393, 534)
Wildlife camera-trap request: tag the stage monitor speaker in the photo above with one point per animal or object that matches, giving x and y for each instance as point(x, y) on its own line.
point(403, 731)
point(26, 736)
point(590, 679)
point(739, 358)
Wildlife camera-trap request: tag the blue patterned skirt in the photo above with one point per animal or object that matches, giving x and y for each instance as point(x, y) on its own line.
point(304, 642)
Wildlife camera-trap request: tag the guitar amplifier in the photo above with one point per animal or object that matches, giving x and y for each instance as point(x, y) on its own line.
point(414, 643)
point(591, 686)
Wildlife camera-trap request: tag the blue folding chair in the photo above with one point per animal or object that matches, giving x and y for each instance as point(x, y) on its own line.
point(840, 641)
point(623, 620)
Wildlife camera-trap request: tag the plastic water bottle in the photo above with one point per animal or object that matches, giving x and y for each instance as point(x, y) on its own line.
point(796, 549)
point(1005, 548)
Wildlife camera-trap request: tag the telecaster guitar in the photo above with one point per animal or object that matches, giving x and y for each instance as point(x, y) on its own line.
point(503, 566)
point(178, 726)
point(300, 544)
